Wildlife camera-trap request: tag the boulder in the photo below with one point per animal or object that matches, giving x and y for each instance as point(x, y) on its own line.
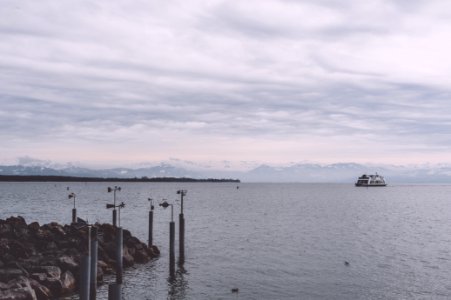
point(54, 285)
point(40, 277)
point(21, 233)
point(68, 283)
point(7, 274)
point(6, 230)
point(19, 250)
point(34, 227)
point(16, 221)
point(153, 251)
point(41, 291)
point(66, 262)
point(132, 242)
point(57, 230)
point(99, 274)
point(106, 268)
point(18, 294)
point(18, 289)
point(127, 259)
point(42, 262)
point(50, 271)
point(141, 256)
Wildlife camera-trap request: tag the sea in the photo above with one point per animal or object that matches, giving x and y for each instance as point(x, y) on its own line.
point(268, 240)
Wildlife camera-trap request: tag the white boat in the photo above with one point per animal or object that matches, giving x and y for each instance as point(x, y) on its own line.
point(371, 180)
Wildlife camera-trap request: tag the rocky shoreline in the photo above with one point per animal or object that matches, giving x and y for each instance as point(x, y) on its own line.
point(42, 262)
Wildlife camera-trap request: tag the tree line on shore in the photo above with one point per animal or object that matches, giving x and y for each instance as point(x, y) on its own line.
point(51, 178)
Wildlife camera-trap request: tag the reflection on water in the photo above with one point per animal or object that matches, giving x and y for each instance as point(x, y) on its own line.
point(271, 241)
point(178, 286)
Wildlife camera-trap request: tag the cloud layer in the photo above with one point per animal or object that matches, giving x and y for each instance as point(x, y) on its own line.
point(273, 81)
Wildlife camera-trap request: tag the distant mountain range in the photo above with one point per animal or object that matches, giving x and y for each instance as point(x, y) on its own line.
point(300, 172)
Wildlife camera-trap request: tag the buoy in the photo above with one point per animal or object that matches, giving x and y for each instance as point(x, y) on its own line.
point(346, 263)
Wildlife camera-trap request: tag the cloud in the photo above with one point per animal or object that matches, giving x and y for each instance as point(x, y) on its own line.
point(273, 80)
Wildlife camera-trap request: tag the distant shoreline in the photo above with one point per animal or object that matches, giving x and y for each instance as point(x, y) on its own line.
point(39, 178)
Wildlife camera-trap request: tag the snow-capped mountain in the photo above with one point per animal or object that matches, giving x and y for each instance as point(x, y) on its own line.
point(295, 172)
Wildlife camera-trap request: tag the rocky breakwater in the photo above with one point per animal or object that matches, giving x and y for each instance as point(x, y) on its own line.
point(42, 262)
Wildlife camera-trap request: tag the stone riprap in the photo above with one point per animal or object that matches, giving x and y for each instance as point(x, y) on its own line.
point(42, 262)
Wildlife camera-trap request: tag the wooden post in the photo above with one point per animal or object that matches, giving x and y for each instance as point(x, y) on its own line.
point(171, 249)
point(74, 215)
point(114, 217)
point(181, 239)
point(150, 228)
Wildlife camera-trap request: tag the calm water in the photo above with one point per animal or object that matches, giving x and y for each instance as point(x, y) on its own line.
point(272, 241)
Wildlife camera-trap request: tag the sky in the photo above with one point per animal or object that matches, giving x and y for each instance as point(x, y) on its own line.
point(126, 82)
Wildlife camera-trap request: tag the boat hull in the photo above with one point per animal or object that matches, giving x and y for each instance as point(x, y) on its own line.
point(367, 185)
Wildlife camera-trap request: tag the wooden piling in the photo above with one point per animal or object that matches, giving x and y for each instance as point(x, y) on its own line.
point(171, 249)
point(150, 228)
point(74, 215)
point(181, 239)
point(114, 217)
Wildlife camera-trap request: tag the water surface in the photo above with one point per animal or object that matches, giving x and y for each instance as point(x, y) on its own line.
point(272, 241)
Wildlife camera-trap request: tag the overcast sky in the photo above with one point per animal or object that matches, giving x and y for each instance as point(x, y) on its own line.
point(122, 82)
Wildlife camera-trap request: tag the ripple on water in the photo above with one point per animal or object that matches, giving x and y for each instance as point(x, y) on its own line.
point(272, 241)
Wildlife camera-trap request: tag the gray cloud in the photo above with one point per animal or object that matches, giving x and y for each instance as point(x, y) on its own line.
point(251, 80)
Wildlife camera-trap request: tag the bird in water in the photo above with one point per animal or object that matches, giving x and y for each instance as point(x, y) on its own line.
point(235, 290)
point(346, 263)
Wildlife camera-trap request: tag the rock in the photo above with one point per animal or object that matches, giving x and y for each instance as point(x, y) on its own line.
point(42, 262)
point(54, 285)
point(132, 242)
point(141, 256)
point(68, 283)
point(110, 251)
point(34, 227)
point(99, 274)
point(50, 271)
point(21, 233)
point(57, 230)
point(18, 250)
point(109, 232)
point(18, 289)
point(126, 234)
point(127, 260)
point(42, 292)
point(131, 250)
point(8, 257)
point(7, 274)
point(16, 221)
point(67, 263)
point(18, 294)
point(106, 268)
point(40, 277)
point(15, 265)
point(155, 250)
point(6, 230)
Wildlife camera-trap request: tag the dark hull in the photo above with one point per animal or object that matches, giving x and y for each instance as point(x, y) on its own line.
point(367, 185)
